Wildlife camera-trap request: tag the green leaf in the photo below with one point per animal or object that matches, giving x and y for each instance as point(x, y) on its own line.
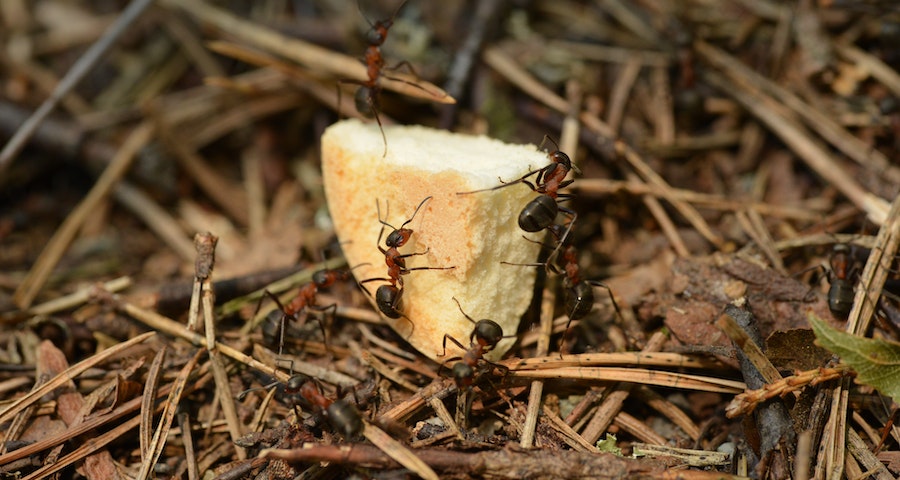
point(608, 445)
point(877, 362)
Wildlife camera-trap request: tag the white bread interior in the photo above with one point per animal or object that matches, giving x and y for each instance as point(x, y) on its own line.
point(473, 233)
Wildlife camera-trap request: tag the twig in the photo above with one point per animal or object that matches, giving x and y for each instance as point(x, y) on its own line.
point(780, 122)
point(535, 394)
point(637, 375)
point(316, 58)
point(81, 68)
point(203, 299)
point(614, 400)
point(867, 293)
point(597, 186)
point(486, 13)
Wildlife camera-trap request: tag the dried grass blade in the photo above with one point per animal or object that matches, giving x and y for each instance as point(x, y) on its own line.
point(638, 375)
point(69, 374)
point(168, 416)
point(149, 398)
point(398, 452)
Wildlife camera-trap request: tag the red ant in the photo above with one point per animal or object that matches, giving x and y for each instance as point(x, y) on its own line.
point(841, 292)
point(304, 300)
point(301, 389)
point(485, 336)
point(388, 297)
point(341, 414)
point(579, 292)
point(540, 213)
point(368, 94)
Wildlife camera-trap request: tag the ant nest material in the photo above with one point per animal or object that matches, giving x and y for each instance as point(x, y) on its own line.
point(472, 232)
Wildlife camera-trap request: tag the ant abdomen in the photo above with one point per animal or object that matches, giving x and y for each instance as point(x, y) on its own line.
point(579, 300)
point(389, 300)
point(538, 214)
point(345, 418)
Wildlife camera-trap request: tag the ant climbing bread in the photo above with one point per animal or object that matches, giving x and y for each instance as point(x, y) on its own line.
point(484, 337)
point(541, 212)
point(389, 296)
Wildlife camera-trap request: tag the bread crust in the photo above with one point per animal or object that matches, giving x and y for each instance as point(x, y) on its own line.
point(472, 233)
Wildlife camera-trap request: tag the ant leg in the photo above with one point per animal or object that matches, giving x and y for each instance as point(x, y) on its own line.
point(383, 279)
point(374, 108)
point(503, 368)
point(504, 184)
point(282, 325)
point(444, 344)
point(612, 296)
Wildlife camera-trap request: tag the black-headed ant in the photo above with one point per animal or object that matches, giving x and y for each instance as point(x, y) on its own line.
point(540, 213)
point(341, 414)
point(580, 292)
point(388, 297)
point(369, 92)
point(304, 301)
point(841, 292)
point(485, 336)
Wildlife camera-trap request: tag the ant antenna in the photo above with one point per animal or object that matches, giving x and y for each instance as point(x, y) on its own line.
point(391, 19)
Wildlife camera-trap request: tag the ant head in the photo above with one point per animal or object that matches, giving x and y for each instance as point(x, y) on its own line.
point(562, 159)
point(487, 333)
point(321, 278)
point(378, 34)
point(398, 238)
point(570, 255)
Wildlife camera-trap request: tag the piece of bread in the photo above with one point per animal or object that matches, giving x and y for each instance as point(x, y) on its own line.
point(472, 232)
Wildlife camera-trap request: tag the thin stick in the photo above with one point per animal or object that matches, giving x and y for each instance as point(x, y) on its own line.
point(81, 68)
point(315, 58)
point(537, 387)
point(781, 123)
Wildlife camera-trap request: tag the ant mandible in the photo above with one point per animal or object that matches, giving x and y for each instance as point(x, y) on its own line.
point(388, 297)
point(484, 337)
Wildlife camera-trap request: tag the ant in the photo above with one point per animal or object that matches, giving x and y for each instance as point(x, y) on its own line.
point(579, 292)
point(304, 300)
point(341, 414)
point(841, 292)
point(301, 389)
point(485, 336)
point(388, 297)
point(368, 94)
point(540, 213)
